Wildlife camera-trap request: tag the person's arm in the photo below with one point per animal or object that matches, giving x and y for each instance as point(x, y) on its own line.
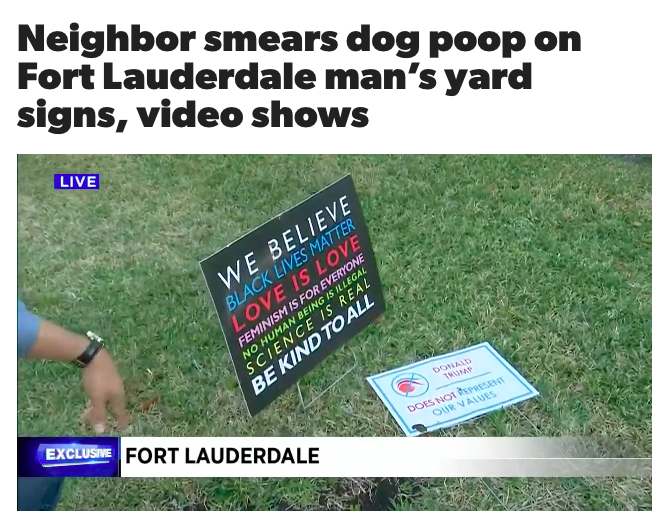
point(41, 339)
point(55, 343)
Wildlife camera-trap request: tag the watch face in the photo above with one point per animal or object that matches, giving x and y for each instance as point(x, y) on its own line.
point(94, 337)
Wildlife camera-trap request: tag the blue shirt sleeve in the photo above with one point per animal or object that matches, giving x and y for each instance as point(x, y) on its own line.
point(28, 328)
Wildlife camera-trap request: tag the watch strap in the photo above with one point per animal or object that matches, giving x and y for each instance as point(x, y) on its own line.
point(93, 348)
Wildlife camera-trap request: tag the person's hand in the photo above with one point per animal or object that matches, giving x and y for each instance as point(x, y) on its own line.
point(104, 388)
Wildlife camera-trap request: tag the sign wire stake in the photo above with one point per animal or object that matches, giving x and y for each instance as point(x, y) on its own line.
point(300, 394)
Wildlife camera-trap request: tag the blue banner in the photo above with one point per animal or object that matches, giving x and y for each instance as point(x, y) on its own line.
point(68, 457)
point(76, 181)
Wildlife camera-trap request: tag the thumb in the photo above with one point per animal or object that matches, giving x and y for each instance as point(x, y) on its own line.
point(97, 414)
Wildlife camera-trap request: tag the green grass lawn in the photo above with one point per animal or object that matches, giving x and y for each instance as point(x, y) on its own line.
point(547, 257)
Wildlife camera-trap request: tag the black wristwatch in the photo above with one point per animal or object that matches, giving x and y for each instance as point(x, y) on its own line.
point(95, 345)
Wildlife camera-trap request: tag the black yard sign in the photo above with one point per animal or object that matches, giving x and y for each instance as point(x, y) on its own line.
point(295, 289)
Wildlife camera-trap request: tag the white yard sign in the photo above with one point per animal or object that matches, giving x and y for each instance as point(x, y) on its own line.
point(446, 390)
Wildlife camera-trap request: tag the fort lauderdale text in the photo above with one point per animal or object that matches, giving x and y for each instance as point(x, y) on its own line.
point(224, 455)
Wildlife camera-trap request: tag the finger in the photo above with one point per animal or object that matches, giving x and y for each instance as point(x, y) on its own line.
point(97, 414)
point(85, 416)
point(118, 406)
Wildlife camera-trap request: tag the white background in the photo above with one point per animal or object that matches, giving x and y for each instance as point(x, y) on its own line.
point(595, 100)
point(600, 100)
point(383, 457)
